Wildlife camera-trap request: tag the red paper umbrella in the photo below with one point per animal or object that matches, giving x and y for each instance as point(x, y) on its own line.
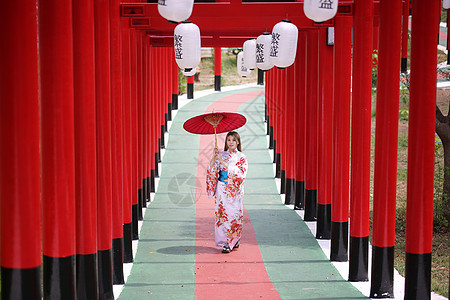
point(213, 123)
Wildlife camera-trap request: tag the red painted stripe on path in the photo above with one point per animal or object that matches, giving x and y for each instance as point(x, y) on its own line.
point(240, 274)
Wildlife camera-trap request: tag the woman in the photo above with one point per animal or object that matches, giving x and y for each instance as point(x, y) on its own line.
point(224, 179)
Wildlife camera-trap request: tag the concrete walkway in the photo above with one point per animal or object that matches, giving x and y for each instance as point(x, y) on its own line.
point(176, 258)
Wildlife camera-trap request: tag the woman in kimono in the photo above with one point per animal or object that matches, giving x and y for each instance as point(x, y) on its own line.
point(224, 179)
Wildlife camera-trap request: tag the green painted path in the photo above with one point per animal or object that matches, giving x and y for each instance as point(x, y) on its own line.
point(165, 263)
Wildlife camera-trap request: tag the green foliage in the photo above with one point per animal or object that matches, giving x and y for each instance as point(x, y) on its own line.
point(182, 83)
point(440, 209)
point(403, 114)
point(374, 68)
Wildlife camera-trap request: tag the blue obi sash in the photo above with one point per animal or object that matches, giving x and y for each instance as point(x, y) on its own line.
point(223, 176)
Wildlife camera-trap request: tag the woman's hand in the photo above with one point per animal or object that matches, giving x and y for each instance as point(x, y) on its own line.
point(220, 159)
point(215, 154)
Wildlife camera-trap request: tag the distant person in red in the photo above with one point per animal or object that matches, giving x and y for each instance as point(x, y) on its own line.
point(225, 179)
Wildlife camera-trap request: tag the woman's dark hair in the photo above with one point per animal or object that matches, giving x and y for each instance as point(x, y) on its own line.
point(236, 136)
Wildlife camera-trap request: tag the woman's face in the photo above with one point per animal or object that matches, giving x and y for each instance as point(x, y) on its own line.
point(232, 143)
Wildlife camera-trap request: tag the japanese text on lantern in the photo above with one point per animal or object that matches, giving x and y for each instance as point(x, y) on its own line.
point(178, 46)
point(275, 44)
point(162, 2)
point(260, 53)
point(327, 4)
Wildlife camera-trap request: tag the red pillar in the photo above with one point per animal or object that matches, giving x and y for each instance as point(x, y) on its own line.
point(290, 136)
point(386, 140)
point(282, 124)
point(300, 125)
point(341, 139)
point(269, 105)
point(175, 82)
point(360, 140)
point(405, 30)
point(126, 123)
point(134, 137)
point(422, 110)
point(448, 38)
point(57, 148)
point(116, 142)
point(103, 112)
point(325, 137)
point(140, 123)
point(217, 68)
point(85, 150)
point(19, 153)
point(277, 146)
point(146, 182)
point(312, 89)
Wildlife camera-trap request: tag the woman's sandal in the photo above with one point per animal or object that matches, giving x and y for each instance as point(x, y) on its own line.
point(226, 249)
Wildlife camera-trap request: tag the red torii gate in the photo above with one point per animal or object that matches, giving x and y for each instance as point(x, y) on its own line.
point(72, 174)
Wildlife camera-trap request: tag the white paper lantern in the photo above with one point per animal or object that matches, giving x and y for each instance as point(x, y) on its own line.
point(189, 73)
point(241, 69)
point(187, 45)
point(446, 4)
point(175, 10)
point(250, 54)
point(263, 42)
point(284, 44)
point(320, 10)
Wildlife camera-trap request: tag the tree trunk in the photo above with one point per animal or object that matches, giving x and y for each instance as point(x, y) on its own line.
point(443, 131)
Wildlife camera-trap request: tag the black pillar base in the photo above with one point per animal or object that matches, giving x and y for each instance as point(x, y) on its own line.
point(404, 65)
point(190, 91)
point(418, 276)
point(299, 195)
point(105, 275)
point(271, 141)
point(169, 111)
point(310, 205)
point(166, 119)
point(21, 284)
point(278, 165)
point(144, 193)
point(156, 165)
point(260, 77)
point(382, 281)
point(128, 243)
point(217, 83)
point(159, 150)
point(274, 152)
point(267, 123)
point(59, 277)
point(118, 261)
point(149, 187)
point(290, 191)
point(140, 193)
point(174, 101)
point(323, 231)
point(87, 276)
point(135, 213)
point(163, 130)
point(359, 259)
point(283, 182)
point(152, 181)
point(339, 241)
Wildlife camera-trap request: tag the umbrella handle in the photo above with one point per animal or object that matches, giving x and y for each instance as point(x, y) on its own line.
point(215, 136)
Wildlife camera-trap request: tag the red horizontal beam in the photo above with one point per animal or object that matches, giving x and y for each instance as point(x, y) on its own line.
point(226, 18)
point(226, 24)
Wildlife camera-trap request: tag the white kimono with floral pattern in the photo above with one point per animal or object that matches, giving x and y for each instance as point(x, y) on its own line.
point(229, 208)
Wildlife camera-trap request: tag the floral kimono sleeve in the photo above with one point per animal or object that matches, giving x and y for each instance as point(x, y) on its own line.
point(212, 176)
point(236, 176)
